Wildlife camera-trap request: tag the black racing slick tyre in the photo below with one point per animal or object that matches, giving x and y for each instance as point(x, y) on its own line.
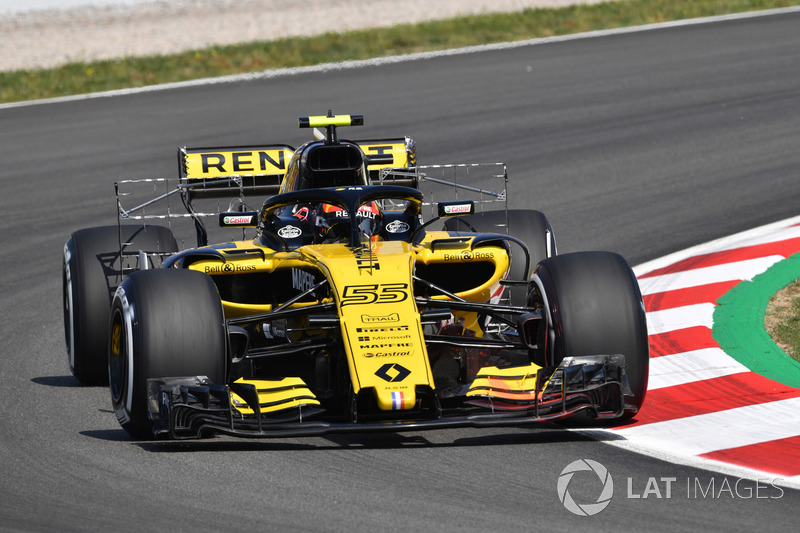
point(164, 323)
point(90, 277)
point(593, 307)
point(527, 225)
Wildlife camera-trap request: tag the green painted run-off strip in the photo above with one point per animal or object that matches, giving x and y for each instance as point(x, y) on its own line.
point(739, 324)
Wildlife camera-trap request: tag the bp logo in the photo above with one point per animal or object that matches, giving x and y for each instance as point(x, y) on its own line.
point(585, 509)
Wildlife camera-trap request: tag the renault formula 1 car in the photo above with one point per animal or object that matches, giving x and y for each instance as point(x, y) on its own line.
point(348, 301)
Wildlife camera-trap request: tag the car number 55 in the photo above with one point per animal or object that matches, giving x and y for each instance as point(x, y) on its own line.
point(374, 294)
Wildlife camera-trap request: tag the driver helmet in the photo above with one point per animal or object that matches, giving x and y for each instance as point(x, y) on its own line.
point(333, 222)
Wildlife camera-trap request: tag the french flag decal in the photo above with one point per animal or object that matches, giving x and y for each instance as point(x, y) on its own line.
point(398, 400)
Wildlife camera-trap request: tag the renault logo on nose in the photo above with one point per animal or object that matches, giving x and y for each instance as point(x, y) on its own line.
point(398, 372)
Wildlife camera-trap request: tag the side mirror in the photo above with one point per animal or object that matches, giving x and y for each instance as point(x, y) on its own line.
point(456, 209)
point(446, 209)
point(237, 219)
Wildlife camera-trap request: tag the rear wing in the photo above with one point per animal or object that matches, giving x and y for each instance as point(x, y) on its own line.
point(259, 170)
point(256, 170)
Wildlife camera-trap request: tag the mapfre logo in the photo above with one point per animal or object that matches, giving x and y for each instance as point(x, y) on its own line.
point(302, 280)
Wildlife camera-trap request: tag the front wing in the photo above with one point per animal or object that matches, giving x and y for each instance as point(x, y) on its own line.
point(193, 407)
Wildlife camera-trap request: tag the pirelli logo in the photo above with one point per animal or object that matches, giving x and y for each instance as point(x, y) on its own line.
point(207, 163)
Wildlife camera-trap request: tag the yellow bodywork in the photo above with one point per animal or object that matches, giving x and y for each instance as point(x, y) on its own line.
point(276, 395)
point(517, 384)
point(397, 149)
point(373, 288)
point(380, 323)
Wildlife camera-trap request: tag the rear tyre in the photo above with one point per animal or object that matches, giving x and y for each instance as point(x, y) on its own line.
point(90, 277)
point(164, 323)
point(527, 225)
point(593, 306)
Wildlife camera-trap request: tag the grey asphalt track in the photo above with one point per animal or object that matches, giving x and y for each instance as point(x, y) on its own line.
point(643, 144)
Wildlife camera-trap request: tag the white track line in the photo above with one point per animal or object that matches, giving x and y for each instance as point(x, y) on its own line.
point(756, 235)
point(328, 67)
point(676, 318)
point(722, 430)
point(791, 232)
point(688, 367)
point(710, 465)
point(736, 271)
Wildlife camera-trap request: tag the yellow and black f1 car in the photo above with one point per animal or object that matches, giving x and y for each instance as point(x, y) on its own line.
point(349, 301)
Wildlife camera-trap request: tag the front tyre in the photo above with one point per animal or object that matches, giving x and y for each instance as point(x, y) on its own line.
point(164, 323)
point(593, 307)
